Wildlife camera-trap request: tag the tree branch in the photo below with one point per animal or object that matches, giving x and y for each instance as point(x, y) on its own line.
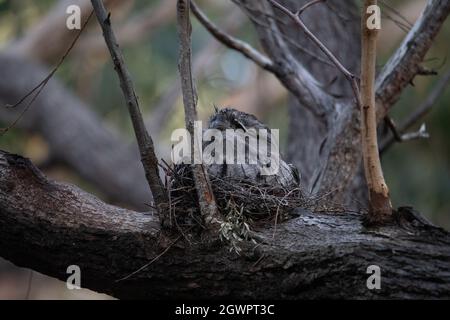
point(49, 226)
point(145, 142)
point(380, 208)
point(403, 66)
point(308, 5)
point(138, 28)
point(290, 72)
point(296, 18)
point(206, 200)
point(419, 113)
point(231, 42)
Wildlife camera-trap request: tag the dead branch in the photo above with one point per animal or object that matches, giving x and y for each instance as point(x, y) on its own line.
point(207, 203)
point(290, 72)
point(139, 27)
point(417, 115)
point(231, 42)
point(203, 60)
point(420, 134)
point(296, 18)
point(145, 142)
point(308, 5)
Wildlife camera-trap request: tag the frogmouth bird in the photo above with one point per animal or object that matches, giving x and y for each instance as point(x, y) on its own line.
point(286, 174)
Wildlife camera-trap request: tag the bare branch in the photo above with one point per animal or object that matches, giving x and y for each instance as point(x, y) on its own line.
point(419, 113)
point(140, 26)
point(207, 203)
point(404, 65)
point(296, 18)
point(380, 208)
point(145, 142)
point(231, 42)
point(308, 5)
point(289, 71)
point(420, 134)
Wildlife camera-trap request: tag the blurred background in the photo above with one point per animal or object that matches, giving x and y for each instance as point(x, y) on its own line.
point(418, 172)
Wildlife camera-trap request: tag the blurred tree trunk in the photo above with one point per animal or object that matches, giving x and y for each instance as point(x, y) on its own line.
point(337, 26)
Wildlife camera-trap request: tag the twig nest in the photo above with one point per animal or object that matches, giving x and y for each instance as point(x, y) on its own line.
point(244, 191)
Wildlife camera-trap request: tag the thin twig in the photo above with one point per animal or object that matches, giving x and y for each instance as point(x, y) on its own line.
point(348, 75)
point(420, 112)
point(206, 199)
point(307, 5)
point(151, 261)
point(144, 140)
point(231, 42)
point(399, 137)
point(41, 85)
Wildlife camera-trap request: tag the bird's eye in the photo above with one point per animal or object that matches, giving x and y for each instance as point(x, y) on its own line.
point(239, 124)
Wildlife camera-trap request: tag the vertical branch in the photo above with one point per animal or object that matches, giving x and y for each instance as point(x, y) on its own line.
point(379, 203)
point(207, 203)
point(145, 142)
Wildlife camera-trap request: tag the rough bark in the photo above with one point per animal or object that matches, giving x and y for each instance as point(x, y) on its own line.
point(48, 226)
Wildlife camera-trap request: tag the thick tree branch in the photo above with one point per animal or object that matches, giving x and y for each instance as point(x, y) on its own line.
point(145, 142)
point(48, 226)
point(403, 66)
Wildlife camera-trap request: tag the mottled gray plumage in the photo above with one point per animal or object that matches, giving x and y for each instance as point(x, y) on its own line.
point(229, 118)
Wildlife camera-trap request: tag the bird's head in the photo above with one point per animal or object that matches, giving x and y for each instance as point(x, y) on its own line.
point(229, 118)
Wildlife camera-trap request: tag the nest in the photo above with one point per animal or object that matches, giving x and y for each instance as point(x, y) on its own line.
point(244, 205)
point(248, 201)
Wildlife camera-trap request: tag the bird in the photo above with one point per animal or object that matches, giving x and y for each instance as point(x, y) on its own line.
point(287, 175)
